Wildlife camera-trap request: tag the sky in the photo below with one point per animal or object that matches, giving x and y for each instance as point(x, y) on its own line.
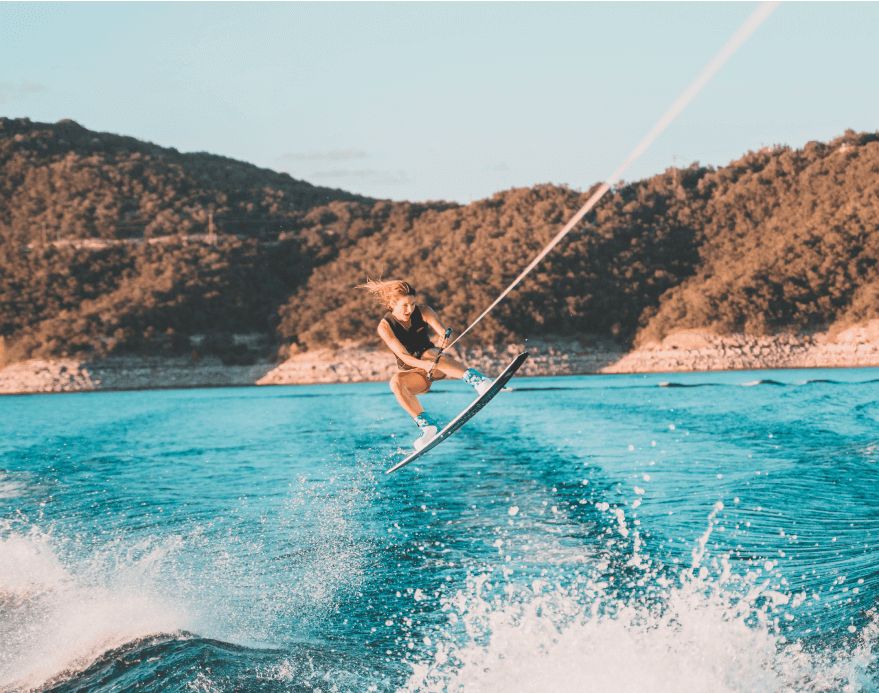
point(442, 101)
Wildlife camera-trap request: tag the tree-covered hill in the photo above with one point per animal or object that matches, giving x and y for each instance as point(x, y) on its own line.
point(102, 248)
point(791, 242)
point(63, 181)
point(599, 281)
point(780, 239)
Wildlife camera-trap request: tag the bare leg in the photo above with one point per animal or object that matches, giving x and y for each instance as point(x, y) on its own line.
point(405, 385)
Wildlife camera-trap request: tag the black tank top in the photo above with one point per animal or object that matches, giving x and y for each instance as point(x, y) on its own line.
point(416, 340)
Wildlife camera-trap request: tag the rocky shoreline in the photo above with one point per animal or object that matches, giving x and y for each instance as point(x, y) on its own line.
point(699, 350)
point(684, 351)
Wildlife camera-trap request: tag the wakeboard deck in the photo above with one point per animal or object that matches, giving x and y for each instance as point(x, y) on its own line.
point(468, 413)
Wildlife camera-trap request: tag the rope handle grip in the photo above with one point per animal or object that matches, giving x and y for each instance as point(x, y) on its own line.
point(442, 348)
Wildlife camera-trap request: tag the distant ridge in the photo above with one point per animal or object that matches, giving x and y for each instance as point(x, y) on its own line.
point(778, 240)
point(69, 196)
point(76, 183)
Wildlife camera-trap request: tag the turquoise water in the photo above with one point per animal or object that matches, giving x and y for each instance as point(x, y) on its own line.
point(717, 532)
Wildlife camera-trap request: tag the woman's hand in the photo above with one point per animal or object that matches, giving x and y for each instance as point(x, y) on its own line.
point(427, 364)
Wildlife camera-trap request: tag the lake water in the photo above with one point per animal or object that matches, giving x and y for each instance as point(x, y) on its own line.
point(716, 532)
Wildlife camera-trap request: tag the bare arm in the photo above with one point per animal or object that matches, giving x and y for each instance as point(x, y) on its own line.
point(432, 319)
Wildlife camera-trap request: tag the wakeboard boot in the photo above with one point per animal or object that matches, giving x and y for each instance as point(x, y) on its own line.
point(429, 428)
point(479, 382)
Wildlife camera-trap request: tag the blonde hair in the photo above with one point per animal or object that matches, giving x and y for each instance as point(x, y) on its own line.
point(388, 292)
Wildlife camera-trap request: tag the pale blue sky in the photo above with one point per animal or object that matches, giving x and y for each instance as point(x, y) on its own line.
point(442, 100)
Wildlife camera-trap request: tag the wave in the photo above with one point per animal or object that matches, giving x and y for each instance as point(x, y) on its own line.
point(541, 638)
point(186, 662)
point(63, 632)
point(84, 611)
point(640, 625)
point(52, 625)
point(615, 618)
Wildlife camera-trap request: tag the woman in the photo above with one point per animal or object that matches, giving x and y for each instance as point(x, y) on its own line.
point(405, 329)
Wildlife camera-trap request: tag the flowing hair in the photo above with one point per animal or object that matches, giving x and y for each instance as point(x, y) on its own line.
point(389, 291)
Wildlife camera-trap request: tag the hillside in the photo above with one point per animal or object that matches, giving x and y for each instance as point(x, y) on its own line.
point(778, 240)
point(103, 243)
point(63, 181)
point(791, 243)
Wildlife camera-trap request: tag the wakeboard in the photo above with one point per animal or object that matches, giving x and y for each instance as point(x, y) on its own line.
point(468, 413)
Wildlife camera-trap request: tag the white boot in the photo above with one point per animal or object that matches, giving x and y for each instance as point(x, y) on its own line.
point(479, 382)
point(429, 428)
point(484, 386)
